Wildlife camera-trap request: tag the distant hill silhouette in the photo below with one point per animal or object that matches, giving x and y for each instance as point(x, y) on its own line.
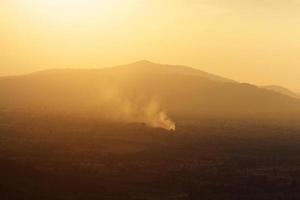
point(180, 90)
point(282, 90)
point(145, 66)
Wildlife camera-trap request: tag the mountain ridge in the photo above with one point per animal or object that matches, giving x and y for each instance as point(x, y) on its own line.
point(179, 90)
point(282, 90)
point(142, 66)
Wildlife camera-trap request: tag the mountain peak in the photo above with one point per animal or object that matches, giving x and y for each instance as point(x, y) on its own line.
point(144, 62)
point(146, 67)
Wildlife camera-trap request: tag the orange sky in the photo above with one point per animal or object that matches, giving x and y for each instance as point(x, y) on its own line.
point(254, 41)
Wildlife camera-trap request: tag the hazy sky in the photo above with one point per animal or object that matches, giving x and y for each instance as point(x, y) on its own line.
point(254, 41)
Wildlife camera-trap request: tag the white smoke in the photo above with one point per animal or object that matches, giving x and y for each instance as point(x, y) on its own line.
point(118, 107)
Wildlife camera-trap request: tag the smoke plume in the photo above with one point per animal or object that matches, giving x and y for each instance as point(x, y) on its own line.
point(118, 107)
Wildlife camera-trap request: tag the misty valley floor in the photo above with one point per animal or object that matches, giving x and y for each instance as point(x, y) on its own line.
point(208, 158)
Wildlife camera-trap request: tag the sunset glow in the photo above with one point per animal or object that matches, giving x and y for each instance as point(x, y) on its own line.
point(149, 99)
point(236, 39)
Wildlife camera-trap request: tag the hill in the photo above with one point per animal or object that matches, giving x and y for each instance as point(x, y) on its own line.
point(282, 90)
point(139, 90)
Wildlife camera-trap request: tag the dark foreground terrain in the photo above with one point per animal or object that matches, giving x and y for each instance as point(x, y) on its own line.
point(59, 158)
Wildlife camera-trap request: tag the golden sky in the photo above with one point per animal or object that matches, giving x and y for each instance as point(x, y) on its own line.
point(255, 41)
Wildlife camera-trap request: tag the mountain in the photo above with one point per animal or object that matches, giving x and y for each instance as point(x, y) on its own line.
point(145, 66)
point(282, 90)
point(179, 90)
